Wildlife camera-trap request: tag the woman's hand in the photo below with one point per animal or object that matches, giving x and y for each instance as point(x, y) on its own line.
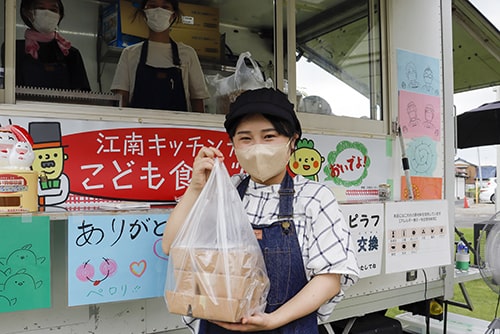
point(203, 165)
point(254, 323)
point(316, 292)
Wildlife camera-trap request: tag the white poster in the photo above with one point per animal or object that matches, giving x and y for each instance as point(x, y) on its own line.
point(417, 235)
point(366, 222)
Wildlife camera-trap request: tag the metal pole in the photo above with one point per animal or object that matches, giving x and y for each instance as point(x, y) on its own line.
point(497, 192)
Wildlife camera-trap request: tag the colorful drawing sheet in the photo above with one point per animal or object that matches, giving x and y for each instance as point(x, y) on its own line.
point(419, 115)
point(417, 234)
point(115, 258)
point(352, 167)
point(24, 263)
point(418, 73)
point(423, 187)
point(366, 222)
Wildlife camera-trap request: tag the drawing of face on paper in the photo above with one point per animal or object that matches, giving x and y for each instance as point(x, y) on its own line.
point(411, 76)
point(418, 73)
point(428, 85)
point(419, 115)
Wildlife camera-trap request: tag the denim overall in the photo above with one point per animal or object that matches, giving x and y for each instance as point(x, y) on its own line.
point(159, 88)
point(284, 264)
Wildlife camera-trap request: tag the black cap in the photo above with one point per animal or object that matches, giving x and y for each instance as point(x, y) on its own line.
point(266, 101)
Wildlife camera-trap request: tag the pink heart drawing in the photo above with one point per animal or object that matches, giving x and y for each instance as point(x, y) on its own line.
point(138, 268)
point(158, 251)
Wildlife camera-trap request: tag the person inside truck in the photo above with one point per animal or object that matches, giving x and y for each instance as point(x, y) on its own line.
point(264, 129)
point(45, 59)
point(160, 73)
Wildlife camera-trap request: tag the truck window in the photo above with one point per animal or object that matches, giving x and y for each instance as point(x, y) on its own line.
point(2, 40)
point(338, 69)
point(338, 52)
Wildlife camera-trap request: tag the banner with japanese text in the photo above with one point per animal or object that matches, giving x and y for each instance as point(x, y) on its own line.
point(86, 163)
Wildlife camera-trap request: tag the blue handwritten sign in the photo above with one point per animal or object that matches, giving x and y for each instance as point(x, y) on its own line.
point(418, 73)
point(115, 258)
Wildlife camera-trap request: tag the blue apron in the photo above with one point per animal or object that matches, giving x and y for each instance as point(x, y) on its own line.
point(284, 264)
point(157, 87)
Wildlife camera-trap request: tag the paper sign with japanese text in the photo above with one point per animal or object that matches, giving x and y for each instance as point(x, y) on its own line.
point(417, 235)
point(366, 223)
point(115, 257)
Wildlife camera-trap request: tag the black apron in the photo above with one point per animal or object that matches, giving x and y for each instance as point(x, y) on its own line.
point(159, 88)
point(52, 74)
point(284, 265)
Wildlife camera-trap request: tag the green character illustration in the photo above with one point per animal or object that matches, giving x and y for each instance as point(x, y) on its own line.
point(306, 160)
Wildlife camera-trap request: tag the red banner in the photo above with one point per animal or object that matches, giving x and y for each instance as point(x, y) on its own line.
point(141, 164)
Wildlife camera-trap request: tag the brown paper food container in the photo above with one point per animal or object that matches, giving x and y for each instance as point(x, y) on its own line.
point(203, 289)
point(239, 262)
point(218, 285)
point(180, 258)
point(220, 309)
point(179, 303)
point(185, 282)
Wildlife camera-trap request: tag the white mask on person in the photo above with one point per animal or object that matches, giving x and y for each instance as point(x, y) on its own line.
point(158, 19)
point(45, 21)
point(264, 161)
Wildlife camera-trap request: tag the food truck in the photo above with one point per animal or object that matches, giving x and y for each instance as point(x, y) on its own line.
point(372, 82)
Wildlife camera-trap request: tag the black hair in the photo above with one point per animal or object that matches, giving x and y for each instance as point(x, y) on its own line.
point(282, 126)
point(27, 5)
point(174, 3)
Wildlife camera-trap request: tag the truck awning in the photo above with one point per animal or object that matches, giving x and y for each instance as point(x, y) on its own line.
point(476, 48)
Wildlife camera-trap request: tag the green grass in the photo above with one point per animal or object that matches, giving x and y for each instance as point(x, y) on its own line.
point(483, 299)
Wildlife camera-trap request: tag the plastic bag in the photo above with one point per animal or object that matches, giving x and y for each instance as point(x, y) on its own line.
point(227, 89)
point(216, 269)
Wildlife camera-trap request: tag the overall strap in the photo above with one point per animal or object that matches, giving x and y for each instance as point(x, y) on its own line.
point(175, 53)
point(286, 197)
point(242, 187)
point(144, 52)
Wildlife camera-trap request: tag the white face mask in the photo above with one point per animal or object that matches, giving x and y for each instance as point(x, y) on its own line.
point(264, 161)
point(45, 21)
point(158, 19)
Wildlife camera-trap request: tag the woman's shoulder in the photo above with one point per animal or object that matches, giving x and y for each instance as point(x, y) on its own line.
point(133, 47)
point(185, 47)
point(186, 50)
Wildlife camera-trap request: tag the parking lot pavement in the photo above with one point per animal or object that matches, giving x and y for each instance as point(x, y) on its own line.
point(474, 213)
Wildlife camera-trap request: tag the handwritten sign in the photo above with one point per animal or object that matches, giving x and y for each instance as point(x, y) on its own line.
point(348, 164)
point(24, 263)
point(115, 258)
point(366, 222)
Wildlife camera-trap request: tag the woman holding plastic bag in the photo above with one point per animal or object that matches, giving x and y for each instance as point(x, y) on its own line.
point(296, 214)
